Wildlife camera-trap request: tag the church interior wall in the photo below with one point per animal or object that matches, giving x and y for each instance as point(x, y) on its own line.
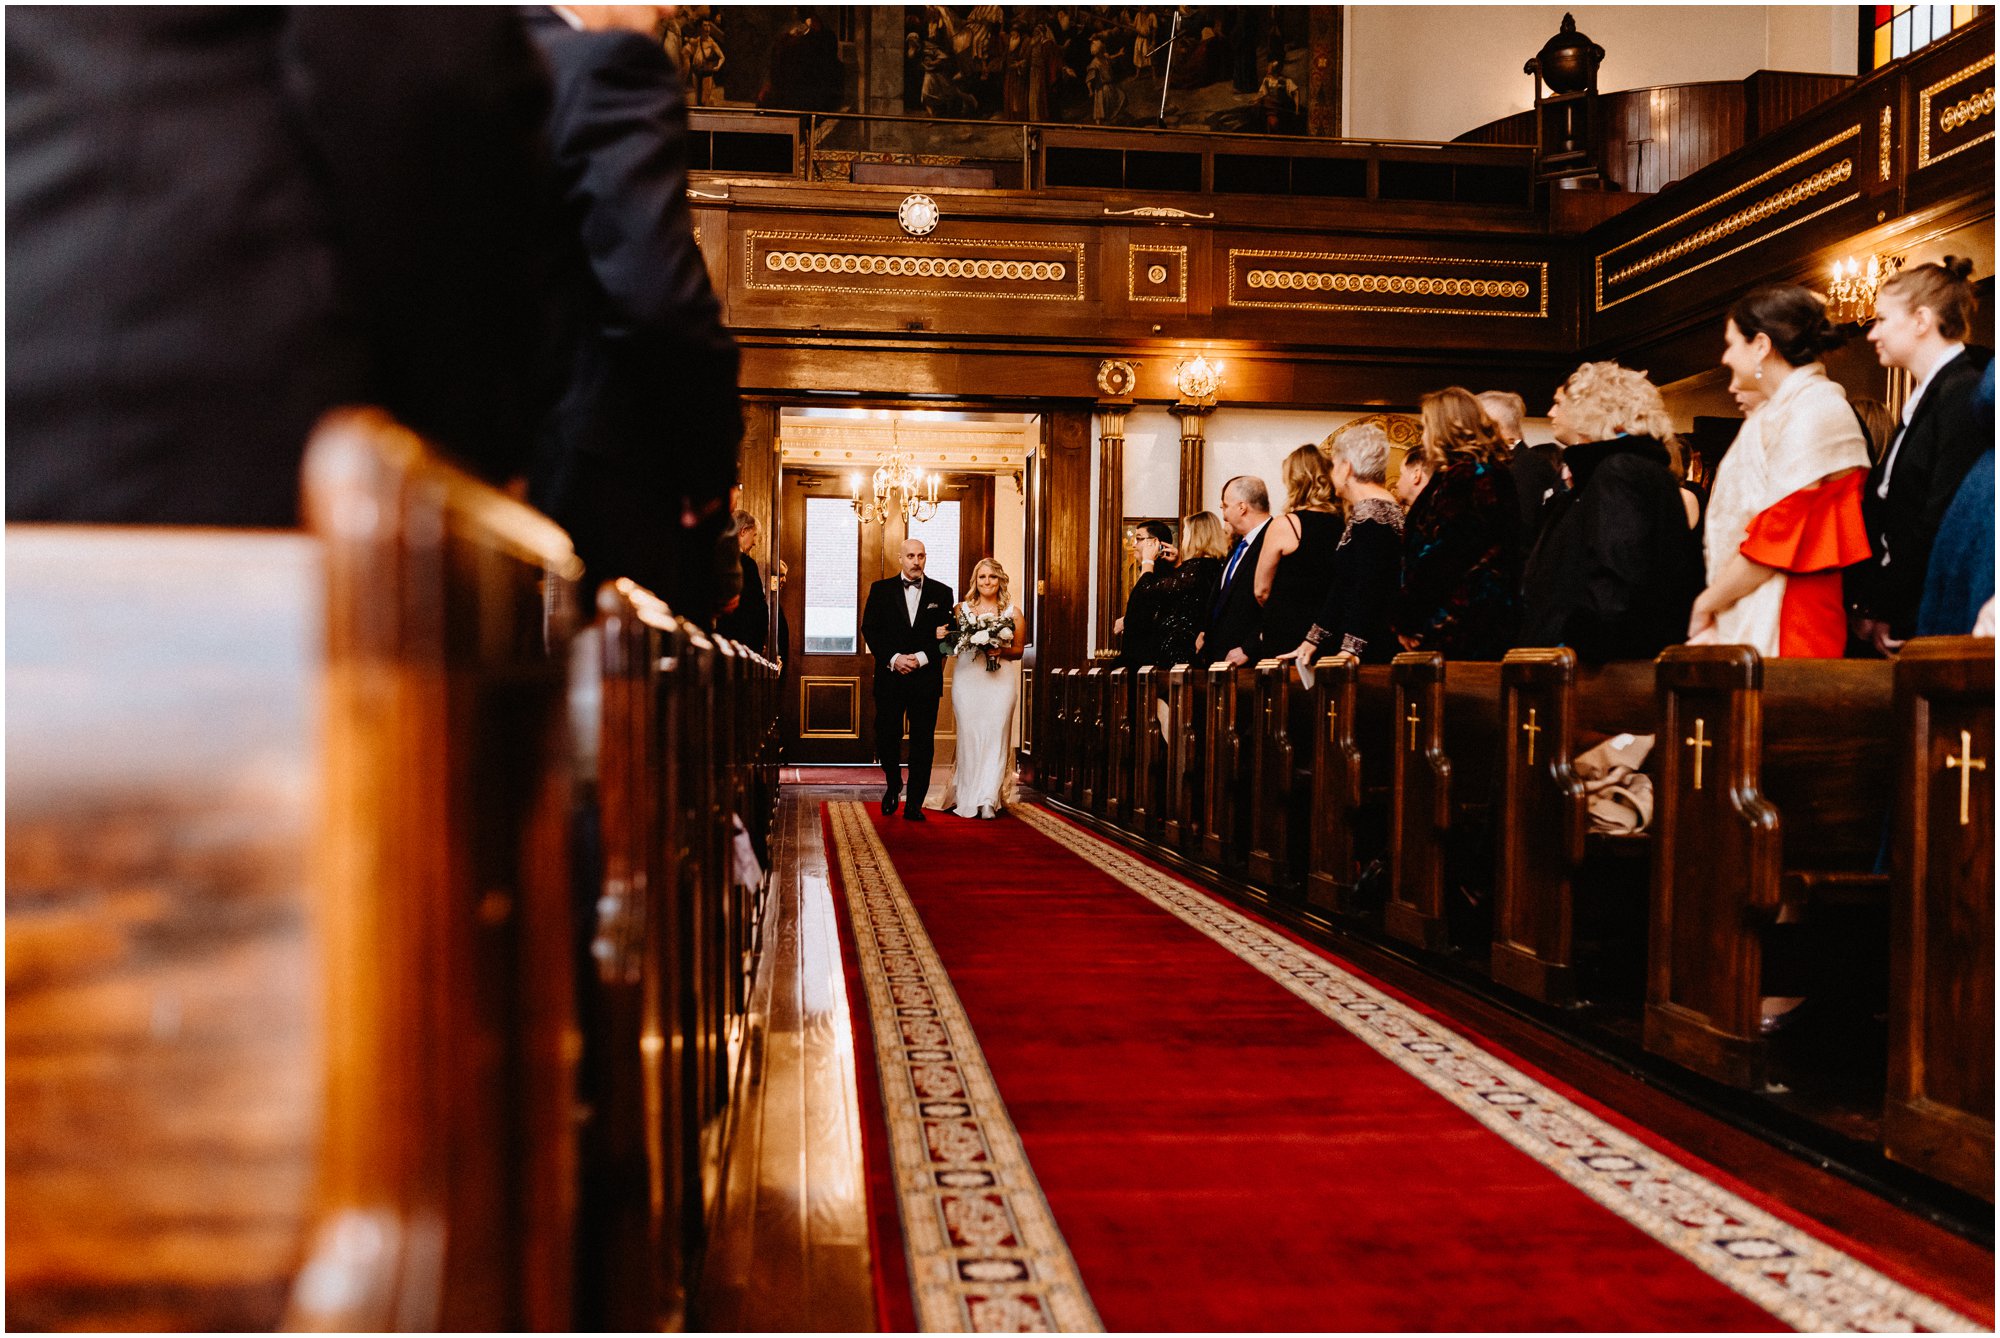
point(1406, 81)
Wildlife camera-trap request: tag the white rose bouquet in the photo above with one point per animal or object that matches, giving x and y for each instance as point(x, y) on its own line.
point(986, 633)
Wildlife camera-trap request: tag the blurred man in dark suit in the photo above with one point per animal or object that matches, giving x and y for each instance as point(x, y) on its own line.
point(639, 455)
point(223, 221)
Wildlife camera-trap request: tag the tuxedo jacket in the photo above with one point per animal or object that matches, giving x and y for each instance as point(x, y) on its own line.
point(1943, 439)
point(1235, 619)
point(886, 626)
point(641, 373)
point(222, 222)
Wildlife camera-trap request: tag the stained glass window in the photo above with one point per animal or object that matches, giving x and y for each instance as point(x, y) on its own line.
point(1896, 31)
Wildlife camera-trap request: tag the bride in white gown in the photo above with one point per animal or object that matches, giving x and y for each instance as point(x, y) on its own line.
point(982, 703)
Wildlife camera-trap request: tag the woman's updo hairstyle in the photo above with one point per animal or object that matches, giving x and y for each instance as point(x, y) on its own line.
point(1946, 289)
point(1793, 318)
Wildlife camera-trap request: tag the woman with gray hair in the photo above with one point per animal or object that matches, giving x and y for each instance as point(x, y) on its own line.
point(1367, 564)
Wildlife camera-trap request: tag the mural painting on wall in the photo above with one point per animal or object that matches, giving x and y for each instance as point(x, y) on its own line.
point(1236, 68)
point(778, 56)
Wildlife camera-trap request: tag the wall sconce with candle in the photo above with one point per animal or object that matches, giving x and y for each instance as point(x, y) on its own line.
point(1850, 298)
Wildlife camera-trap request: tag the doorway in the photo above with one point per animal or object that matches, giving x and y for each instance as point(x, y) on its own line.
point(832, 556)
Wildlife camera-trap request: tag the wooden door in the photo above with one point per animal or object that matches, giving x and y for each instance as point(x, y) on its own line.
point(833, 558)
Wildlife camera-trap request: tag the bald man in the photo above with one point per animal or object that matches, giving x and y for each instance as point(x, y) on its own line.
point(902, 621)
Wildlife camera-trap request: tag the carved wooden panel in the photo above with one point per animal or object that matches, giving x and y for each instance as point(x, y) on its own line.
point(829, 708)
point(1386, 282)
point(1156, 272)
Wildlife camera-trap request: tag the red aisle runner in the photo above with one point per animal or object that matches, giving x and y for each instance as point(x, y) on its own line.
point(1193, 1122)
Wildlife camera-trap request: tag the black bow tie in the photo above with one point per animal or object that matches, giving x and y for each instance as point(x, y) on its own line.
point(912, 585)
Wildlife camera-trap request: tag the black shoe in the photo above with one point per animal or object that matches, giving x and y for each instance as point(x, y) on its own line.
point(914, 812)
point(889, 798)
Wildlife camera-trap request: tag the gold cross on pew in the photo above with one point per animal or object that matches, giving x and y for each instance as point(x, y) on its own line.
point(1698, 742)
point(1531, 729)
point(1333, 724)
point(1965, 764)
point(1412, 719)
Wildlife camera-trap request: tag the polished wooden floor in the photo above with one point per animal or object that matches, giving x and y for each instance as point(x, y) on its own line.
point(790, 1250)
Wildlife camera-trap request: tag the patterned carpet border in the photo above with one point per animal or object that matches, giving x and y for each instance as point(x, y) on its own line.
point(984, 1251)
point(1798, 1279)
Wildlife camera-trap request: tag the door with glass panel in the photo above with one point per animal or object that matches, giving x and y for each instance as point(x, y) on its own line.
point(831, 559)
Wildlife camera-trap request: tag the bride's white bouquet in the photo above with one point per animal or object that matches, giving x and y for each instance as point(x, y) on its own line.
point(986, 633)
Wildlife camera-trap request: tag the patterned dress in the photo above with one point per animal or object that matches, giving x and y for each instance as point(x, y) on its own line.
point(1462, 562)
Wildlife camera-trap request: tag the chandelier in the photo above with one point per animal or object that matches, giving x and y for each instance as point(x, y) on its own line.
point(896, 488)
point(1851, 296)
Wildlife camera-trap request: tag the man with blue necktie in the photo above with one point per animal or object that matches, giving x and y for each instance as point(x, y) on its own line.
point(1235, 620)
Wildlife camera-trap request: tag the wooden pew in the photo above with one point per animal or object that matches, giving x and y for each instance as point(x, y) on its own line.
point(1092, 743)
point(1441, 787)
point(1149, 756)
point(1939, 1113)
point(638, 1144)
point(1768, 796)
point(163, 1038)
point(1544, 834)
point(1282, 791)
point(448, 1167)
point(1231, 748)
point(1187, 759)
point(1337, 784)
point(1116, 807)
point(1060, 746)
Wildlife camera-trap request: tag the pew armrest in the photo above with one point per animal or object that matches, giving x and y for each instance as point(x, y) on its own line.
point(1806, 889)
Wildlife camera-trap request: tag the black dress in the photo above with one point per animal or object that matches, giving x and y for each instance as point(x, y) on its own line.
point(1367, 572)
point(1140, 643)
point(1184, 599)
point(1300, 583)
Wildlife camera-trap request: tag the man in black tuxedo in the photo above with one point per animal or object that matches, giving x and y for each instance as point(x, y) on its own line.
point(638, 457)
point(1235, 622)
point(1537, 470)
point(902, 621)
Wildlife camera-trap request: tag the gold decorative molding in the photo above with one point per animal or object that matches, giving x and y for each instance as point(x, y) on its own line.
point(844, 445)
point(1117, 377)
point(1277, 279)
point(1799, 191)
point(1157, 274)
point(1852, 132)
point(1888, 141)
point(1154, 211)
point(894, 258)
point(919, 267)
point(1394, 284)
point(694, 194)
point(1958, 114)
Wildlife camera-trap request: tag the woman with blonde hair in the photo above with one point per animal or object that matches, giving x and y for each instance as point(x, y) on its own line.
point(1185, 596)
point(985, 684)
point(1295, 565)
point(1617, 567)
point(1461, 538)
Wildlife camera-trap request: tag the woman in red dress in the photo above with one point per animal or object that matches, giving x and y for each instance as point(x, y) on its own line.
point(1785, 516)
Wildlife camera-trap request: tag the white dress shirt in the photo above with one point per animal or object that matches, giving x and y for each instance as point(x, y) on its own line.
point(912, 596)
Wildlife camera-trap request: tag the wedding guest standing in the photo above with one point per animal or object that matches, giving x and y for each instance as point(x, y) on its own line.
point(1296, 566)
point(1537, 470)
point(1960, 582)
point(1461, 538)
point(1617, 566)
point(1139, 629)
point(1785, 515)
point(1353, 619)
point(639, 454)
point(1235, 623)
point(1921, 319)
point(1188, 592)
point(748, 620)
